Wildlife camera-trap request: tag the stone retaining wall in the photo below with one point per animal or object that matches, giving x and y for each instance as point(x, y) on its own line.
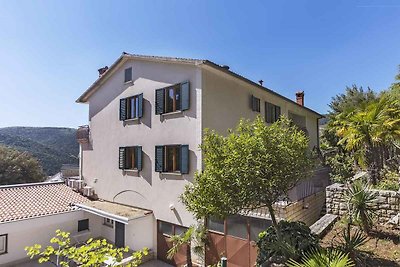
point(386, 206)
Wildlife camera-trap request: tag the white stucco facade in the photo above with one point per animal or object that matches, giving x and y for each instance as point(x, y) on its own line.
point(218, 101)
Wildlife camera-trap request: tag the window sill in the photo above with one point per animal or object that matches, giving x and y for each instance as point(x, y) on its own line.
point(3, 253)
point(134, 119)
point(172, 113)
point(133, 171)
point(128, 82)
point(172, 173)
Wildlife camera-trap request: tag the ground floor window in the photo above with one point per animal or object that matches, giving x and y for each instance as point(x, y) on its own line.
point(239, 226)
point(169, 229)
point(3, 243)
point(108, 222)
point(83, 225)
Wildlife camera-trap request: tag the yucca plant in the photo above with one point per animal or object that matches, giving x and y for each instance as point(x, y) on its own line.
point(360, 199)
point(351, 242)
point(323, 258)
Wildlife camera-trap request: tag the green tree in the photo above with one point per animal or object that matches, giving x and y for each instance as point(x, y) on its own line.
point(18, 167)
point(368, 130)
point(253, 166)
point(93, 253)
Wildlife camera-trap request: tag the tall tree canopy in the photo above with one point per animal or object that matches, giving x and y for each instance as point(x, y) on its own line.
point(18, 167)
point(249, 168)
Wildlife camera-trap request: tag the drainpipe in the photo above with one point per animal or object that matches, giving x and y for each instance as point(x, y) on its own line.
point(80, 162)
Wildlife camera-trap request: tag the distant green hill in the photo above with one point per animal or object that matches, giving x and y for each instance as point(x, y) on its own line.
point(51, 146)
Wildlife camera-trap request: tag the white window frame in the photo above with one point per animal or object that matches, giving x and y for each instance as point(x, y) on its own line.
point(109, 222)
point(3, 242)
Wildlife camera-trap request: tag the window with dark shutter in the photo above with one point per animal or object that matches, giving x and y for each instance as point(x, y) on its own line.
point(255, 104)
point(185, 95)
point(272, 112)
point(122, 109)
point(140, 106)
point(128, 75)
point(172, 158)
point(3, 243)
point(83, 225)
point(173, 98)
point(159, 159)
point(130, 158)
point(184, 159)
point(122, 158)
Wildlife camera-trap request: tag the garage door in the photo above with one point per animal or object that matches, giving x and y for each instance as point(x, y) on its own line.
point(234, 238)
point(164, 232)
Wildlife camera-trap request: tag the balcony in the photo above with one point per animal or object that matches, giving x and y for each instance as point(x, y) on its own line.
point(83, 134)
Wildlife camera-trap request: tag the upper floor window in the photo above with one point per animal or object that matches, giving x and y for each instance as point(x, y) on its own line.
point(3, 243)
point(128, 75)
point(130, 158)
point(272, 112)
point(173, 98)
point(172, 158)
point(255, 103)
point(131, 107)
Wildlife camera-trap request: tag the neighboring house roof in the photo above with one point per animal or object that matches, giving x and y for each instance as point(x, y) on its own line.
point(125, 56)
point(26, 201)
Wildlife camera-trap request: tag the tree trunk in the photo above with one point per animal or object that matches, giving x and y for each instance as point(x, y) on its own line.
point(371, 164)
point(189, 254)
point(274, 222)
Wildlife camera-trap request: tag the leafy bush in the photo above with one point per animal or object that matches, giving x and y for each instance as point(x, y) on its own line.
point(295, 239)
point(342, 166)
point(360, 199)
point(390, 180)
point(323, 258)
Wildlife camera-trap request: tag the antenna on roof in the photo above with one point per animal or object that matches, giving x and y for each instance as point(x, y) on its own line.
point(260, 82)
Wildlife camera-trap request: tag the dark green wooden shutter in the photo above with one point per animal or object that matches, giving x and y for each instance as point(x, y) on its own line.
point(277, 112)
point(140, 106)
point(159, 162)
point(185, 95)
point(184, 159)
point(122, 157)
point(138, 158)
point(160, 101)
point(122, 109)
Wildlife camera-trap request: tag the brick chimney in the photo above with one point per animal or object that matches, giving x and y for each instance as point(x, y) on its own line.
point(102, 70)
point(300, 98)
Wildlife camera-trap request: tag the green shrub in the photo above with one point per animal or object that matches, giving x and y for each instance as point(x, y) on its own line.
point(390, 180)
point(342, 166)
point(295, 239)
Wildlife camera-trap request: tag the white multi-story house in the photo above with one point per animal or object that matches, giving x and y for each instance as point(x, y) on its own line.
point(147, 115)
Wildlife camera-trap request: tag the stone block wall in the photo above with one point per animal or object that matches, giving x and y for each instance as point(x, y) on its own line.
point(386, 205)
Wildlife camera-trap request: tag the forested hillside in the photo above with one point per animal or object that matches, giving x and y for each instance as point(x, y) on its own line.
point(51, 146)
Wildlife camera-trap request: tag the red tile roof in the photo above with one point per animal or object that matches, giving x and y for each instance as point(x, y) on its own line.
point(18, 202)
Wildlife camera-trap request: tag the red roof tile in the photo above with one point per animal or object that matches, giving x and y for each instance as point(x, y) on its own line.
point(18, 202)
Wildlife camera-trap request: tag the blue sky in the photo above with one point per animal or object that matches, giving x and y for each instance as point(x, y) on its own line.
point(50, 50)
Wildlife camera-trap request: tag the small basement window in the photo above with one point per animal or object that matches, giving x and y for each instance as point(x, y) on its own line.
point(108, 222)
point(83, 225)
point(128, 75)
point(3, 243)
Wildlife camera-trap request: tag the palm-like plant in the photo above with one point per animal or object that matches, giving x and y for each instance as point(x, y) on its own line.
point(368, 129)
point(360, 199)
point(323, 258)
point(351, 242)
point(196, 236)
